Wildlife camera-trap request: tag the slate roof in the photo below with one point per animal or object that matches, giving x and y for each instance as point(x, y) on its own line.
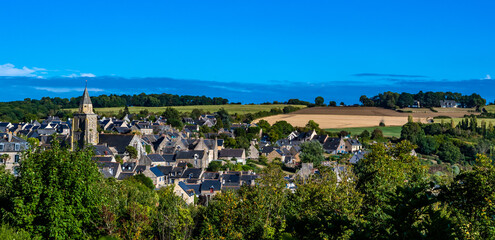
point(354, 142)
point(267, 149)
point(109, 169)
point(192, 173)
point(205, 186)
point(186, 188)
point(211, 175)
point(169, 157)
point(331, 144)
point(195, 187)
point(237, 153)
point(165, 169)
point(124, 175)
point(122, 130)
point(156, 158)
point(140, 168)
point(118, 141)
point(189, 154)
point(157, 172)
point(231, 180)
point(128, 166)
point(102, 150)
point(102, 159)
point(86, 99)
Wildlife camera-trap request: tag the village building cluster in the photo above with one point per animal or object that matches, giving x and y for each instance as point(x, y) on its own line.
point(168, 156)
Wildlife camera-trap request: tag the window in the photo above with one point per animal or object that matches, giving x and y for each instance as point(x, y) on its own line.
point(1, 147)
point(17, 147)
point(16, 158)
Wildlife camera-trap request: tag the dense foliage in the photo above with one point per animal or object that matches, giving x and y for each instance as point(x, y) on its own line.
point(451, 143)
point(389, 195)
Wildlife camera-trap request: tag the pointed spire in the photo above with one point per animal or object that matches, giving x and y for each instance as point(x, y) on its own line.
point(86, 106)
point(86, 99)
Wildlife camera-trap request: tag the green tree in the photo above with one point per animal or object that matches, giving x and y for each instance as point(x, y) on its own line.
point(146, 181)
point(384, 174)
point(312, 125)
point(312, 152)
point(365, 135)
point(472, 198)
point(377, 134)
point(448, 152)
point(323, 207)
point(57, 194)
point(412, 132)
point(366, 101)
point(133, 153)
point(214, 166)
point(174, 219)
point(319, 101)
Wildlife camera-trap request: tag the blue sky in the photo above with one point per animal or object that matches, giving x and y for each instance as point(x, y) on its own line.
point(339, 49)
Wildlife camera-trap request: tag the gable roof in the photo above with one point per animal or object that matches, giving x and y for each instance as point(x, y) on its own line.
point(237, 153)
point(118, 141)
point(102, 150)
point(186, 188)
point(190, 154)
point(332, 144)
point(192, 173)
point(207, 184)
point(165, 169)
point(156, 158)
point(157, 172)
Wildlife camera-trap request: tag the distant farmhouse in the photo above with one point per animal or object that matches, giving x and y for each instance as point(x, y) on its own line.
point(448, 104)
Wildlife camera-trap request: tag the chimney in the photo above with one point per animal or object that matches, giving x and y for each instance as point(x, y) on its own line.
point(10, 136)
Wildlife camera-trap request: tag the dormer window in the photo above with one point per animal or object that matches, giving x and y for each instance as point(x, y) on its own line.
point(17, 147)
point(1, 147)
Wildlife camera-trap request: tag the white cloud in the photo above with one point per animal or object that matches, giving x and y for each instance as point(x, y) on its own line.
point(9, 70)
point(488, 77)
point(75, 75)
point(65, 90)
point(88, 75)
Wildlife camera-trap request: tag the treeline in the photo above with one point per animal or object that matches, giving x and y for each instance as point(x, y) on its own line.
point(428, 99)
point(31, 109)
point(387, 195)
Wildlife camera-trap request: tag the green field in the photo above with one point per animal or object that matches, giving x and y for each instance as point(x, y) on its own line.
point(490, 108)
point(231, 108)
point(392, 131)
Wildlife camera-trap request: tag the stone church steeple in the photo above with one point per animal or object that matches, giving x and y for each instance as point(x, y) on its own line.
point(86, 106)
point(84, 125)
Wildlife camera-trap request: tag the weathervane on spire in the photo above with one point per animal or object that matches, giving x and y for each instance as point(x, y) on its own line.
point(86, 83)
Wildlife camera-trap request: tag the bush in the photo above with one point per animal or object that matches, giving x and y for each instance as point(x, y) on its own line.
point(382, 123)
point(146, 181)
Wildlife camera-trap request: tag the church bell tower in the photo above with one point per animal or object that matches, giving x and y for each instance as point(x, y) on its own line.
point(84, 125)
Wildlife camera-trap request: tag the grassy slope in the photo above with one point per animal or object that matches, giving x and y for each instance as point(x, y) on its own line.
point(490, 108)
point(393, 131)
point(232, 109)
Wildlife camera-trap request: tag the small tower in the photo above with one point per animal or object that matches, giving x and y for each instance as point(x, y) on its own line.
point(84, 125)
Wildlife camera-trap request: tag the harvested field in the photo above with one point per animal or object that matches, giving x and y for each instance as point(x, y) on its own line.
point(348, 117)
point(340, 121)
